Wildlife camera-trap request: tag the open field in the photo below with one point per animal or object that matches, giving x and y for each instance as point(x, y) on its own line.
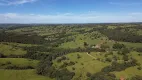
point(87, 63)
point(82, 65)
point(20, 62)
point(71, 52)
point(21, 75)
point(10, 50)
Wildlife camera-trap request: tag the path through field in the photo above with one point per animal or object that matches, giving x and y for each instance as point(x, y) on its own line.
point(92, 56)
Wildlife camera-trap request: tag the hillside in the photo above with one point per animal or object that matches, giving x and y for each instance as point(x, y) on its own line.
point(71, 52)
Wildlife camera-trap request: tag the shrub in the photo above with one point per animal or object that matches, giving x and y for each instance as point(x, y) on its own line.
point(139, 49)
point(71, 63)
point(73, 68)
point(2, 56)
point(139, 68)
point(88, 74)
point(103, 76)
point(136, 78)
point(108, 59)
point(78, 56)
point(118, 46)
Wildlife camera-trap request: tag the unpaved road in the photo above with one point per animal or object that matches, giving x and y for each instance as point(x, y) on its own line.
point(92, 56)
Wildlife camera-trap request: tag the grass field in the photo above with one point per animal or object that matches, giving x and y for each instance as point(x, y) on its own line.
point(20, 62)
point(131, 71)
point(83, 65)
point(73, 37)
point(21, 75)
point(128, 73)
point(134, 45)
point(88, 64)
point(81, 38)
point(10, 50)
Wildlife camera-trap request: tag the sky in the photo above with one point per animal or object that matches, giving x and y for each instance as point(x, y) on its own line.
point(70, 11)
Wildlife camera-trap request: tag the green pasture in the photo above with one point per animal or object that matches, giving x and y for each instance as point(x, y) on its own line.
point(82, 65)
point(10, 50)
point(20, 62)
point(21, 75)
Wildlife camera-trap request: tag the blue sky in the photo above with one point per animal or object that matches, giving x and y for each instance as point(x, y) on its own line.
point(70, 11)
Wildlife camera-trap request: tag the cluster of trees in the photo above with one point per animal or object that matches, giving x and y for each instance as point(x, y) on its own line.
point(119, 66)
point(57, 39)
point(19, 67)
point(45, 68)
point(9, 65)
point(102, 76)
point(65, 64)
point(118, 35)
point(2, 56)
point(124, 51)
point(10, 56)
point(21, 38)
point(62, 58)
point(35, 55)
point(35, 52)
point(137, 77)
point(139, 49)
point(118, 46)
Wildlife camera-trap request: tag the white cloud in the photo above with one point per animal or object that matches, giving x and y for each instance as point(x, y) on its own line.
point(125, 4)
point(69, 18)
point(15, 2)
point(136, 13)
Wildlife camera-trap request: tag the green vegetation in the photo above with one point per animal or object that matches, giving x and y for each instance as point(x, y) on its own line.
point(71, 52)
point(21, 75)
point(19, 62)
point(82, 65)
point(10, 50)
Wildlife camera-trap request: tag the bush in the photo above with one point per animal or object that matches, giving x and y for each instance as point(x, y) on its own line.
point(108, 59)
point(118, 46)
point(119, 66)
point(78, 56)
point(19, 68)
point(125, 58)
point(8, 62)
point(125, 51)
point(88, 74)
point(139, 68)
point(2, 56)
point(61, 59)
point(103, 76)
point(73, 68)
point(136, 77)
point(85, 44)
point(64, 74)
point(71, 63)
point(139, 49)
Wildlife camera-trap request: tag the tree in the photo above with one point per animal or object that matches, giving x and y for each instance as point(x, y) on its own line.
point(78, 56)
point(1, 55)
point(139, 68)
point(118, 46)
point(88, 74)
point(103, 76)
point(125, 51)
point(125, 58)
point(136, 77)
point(85, 44)
point(73, 68)
point(139, 49)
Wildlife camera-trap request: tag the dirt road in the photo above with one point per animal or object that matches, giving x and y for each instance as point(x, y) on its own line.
point(91, 56)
